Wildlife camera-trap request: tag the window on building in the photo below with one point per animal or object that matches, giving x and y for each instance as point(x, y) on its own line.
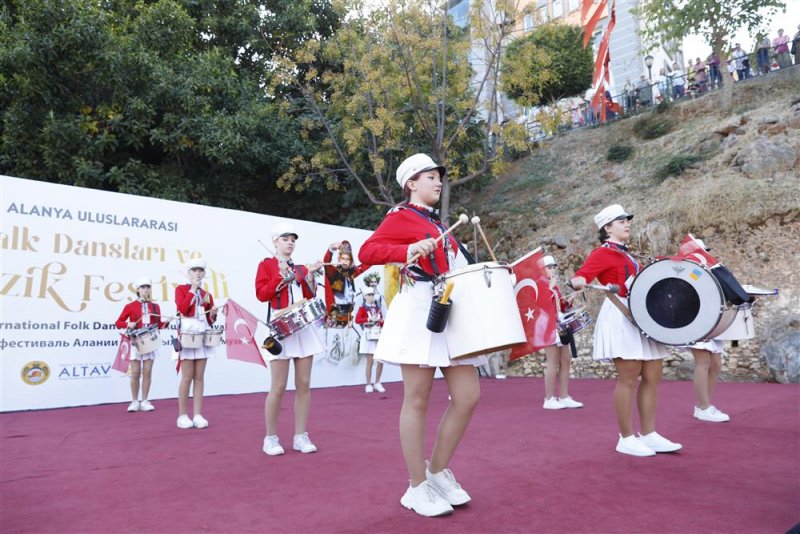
point(527, 23)
point(573, 5)
point(558, 8)
point(543, 15)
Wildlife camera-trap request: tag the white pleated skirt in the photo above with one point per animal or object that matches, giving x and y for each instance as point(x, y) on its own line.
point(406, 340)
point(303, 344)
point(616, 337)
point(713, 346)
point(143, 357)
point(366, 346)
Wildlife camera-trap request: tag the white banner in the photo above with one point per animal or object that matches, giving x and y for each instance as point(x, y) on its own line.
point(70, 256)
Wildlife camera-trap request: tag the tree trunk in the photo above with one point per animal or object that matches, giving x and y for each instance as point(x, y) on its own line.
point(726, 93)
point(444, 202)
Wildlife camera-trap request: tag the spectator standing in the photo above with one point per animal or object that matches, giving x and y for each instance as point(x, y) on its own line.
point(796, 46)
point(781, 44)
point(629, 93)
point(678, 81)
point(713, 71)
point(701, 76)
point(762, 58)
point(663, 84)
point(690, 74)
point(644, 92)
point(739, 56)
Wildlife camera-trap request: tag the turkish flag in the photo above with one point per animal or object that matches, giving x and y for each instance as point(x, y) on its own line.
point(240, 327)
point(123, 359)
point(690, 249)
point(537, 307)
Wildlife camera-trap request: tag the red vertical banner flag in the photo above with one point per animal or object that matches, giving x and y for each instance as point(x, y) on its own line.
point(240, 327)
point(690, 249)
point(123, 359)
point(536, 304)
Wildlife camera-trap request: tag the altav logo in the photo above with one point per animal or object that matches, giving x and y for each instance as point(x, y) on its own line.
point(87, 370)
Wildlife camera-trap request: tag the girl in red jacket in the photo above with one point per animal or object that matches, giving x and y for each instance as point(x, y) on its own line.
point(197, 314)
point(558, 355)
point(135, 315)
point(369, 316)
point(409, 229)
point(616, 338)
point(281, 283)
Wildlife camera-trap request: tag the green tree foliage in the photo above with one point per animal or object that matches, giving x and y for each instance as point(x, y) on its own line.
point(399, 82)
point(164, 98)
point(547, 65)
point(714, 20)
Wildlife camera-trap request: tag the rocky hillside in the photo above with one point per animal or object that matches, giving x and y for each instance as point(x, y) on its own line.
point(733, 180)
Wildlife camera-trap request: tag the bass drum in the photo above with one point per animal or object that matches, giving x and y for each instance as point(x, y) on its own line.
point(679, 302)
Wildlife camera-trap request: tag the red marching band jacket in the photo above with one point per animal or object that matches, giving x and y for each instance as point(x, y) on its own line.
point(331, 271)
point(133, 312)
point(402, 227)
point(362, 315)
point(561, 304)
point(610, 265)
point(184, 299)
point(269, 276)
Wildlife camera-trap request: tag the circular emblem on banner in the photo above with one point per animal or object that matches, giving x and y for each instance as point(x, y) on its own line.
point(35, 373)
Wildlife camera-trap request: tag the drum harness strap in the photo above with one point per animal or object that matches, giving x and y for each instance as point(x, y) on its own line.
point(611, 296)
point(296, 276)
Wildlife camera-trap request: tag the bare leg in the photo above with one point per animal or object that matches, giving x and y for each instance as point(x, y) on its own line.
point(378, 371)
point(702, 365)
point(417, 383)
point(147, 378)
point(136, 373)
point(302, 392)
point(465, 392)
point(187, 374)
point(369, 369)
point(199, 385)
point(647, 397)
point(713, 373)
point(550, 371)
point(279, 374)
point(627, 375)
point(563, 371)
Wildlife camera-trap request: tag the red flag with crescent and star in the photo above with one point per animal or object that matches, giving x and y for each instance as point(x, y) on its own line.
point(690, 249)
point(240, 327)
point(123, 359)
point(536, 304)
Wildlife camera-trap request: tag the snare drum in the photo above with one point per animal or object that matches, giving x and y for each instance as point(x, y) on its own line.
point(192, 340)
point(213, 337)
point(485, 316)
point(575, 320)
point(294, 318)
point(679, 302)
point(742, 326)
point(372, 333)
point(146, 339)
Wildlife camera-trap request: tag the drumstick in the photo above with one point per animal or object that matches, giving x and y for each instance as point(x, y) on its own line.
point(446, 295)
point(476, 222)
point(461, 220)
point(613, 288)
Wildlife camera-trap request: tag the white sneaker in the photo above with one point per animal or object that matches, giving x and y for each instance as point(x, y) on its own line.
point(200, 421)
point(659, 443)
point(379, 387)
point(711, 414)
point(633, 446)
point(500, 376)
point(303, 443)
point(553, 404)
point(569, 402)
point(445, 483)
point(272, 446)
point(184, 422)
point(369, 388)
point(133, 406)
point(425, 500)
point(145, 406)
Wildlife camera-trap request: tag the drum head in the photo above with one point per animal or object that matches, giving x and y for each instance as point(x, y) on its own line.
point(676, 302)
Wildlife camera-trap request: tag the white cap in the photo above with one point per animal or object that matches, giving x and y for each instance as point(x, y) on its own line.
point(611, 213)
point(197, 263)
point(549, 260)
point(142, 282)
point(283, 229)
point(369, 291)
point(416, 164)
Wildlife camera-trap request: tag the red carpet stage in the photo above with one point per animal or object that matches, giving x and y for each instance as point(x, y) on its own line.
point(100, 469)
